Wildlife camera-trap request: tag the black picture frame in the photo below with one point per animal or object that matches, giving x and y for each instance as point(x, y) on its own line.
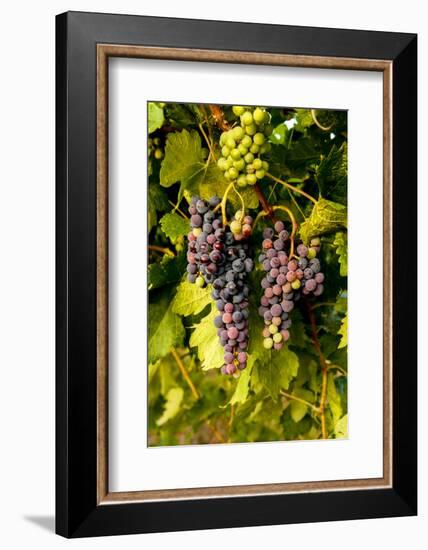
point(78, 513)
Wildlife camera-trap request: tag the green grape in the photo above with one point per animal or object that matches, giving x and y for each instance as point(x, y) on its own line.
point(247, 141)
point(223, 138)
point(273, 329)
point(311, 253)
point(238, 133)
point(158, 154)
point(249, 157)
point(251, 129)
point(257, 163)
point(242, 181)
point(243, 150)
point(295, 285)
point(157, 141)
point(230, 143)
point(277, 337)
point(268, 343)
point(268, 130)
point(236, 227)
point(251, 179)
point(239, 164)
point(265, 148)
point(222, 164)
point(258, 115)
point(254, 149)
point(259, 139)
point(250, 168)
point(247, 118)
point(229, 163)
point(260, 174)
point(235, 154)
point(238, 110)
point(265, 165)
point(225, 151)
point(233, 173)
point(200, 281)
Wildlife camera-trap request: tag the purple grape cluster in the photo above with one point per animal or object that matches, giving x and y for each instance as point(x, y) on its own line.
point(216, 256)
point(205, 246)
point(284, 281)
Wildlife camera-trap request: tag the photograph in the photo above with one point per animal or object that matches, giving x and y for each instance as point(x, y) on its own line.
point(247, 273)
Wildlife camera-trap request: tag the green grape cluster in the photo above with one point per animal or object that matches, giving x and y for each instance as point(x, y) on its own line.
point(155, 150)
point(243, 145)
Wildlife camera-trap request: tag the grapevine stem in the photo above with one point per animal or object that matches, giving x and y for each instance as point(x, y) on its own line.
point(223, 203)
point(317, 122)
point(321, 304)
point(295, 189)
point(161, 249)
point(295, 398)
point(262, 199)
point(324, 369)
point(210, 147)
point(178, 210)
point(242, 202)
point(184, 372)
point(215, 431)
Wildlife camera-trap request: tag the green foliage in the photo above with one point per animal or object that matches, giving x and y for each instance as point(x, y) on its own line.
point(155, 116)
point(326, 217)
point(174, 225)
point(277, 397)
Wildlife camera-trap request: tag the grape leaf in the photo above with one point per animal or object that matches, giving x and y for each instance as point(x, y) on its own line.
point(155, 116)
point(172, 406)
point(183, 157)
point(276, 369)
point(157, 202)
point(332, 174)
point(279, 134)
point(341, 244)
point(242, 387)
point(341, 428)
point(168, 270)
point(165, 329)
point(334, 400)
point(190, 299)
point(343, 331)
point(326, 217)
point(304, 119)
point(182, 115)
point(205, 338)
point(174, 225)
point(297, 408)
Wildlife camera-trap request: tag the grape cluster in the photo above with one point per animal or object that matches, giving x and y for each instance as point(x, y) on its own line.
point(216, 256)
point(155, 150)
point(243, 145)
point(284, 282)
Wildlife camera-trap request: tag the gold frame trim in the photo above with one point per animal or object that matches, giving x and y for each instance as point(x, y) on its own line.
point(104, 51)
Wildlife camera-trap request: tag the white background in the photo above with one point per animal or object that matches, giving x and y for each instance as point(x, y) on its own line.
point(132, 82)
point(27, 274)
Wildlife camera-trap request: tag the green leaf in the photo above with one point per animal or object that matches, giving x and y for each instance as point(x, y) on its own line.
point(172, 405)
point(341, 244)
point(174, 225)
point(341, 428)
point(334, 400)
point(155, 116)
point(205, 338)
point(297, 408)
point(343, 332)
point(158, 202)
point(243, 386)
point(332, 174)
point(165, 329)
point(326, 217)
point(304, 119)
point(279, 134)
point(190, 299)
point(168, 270)
point(183, 157)
point(183, 115)
point(276, 369)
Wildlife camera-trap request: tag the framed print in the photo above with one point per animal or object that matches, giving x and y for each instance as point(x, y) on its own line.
point(236, 339)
